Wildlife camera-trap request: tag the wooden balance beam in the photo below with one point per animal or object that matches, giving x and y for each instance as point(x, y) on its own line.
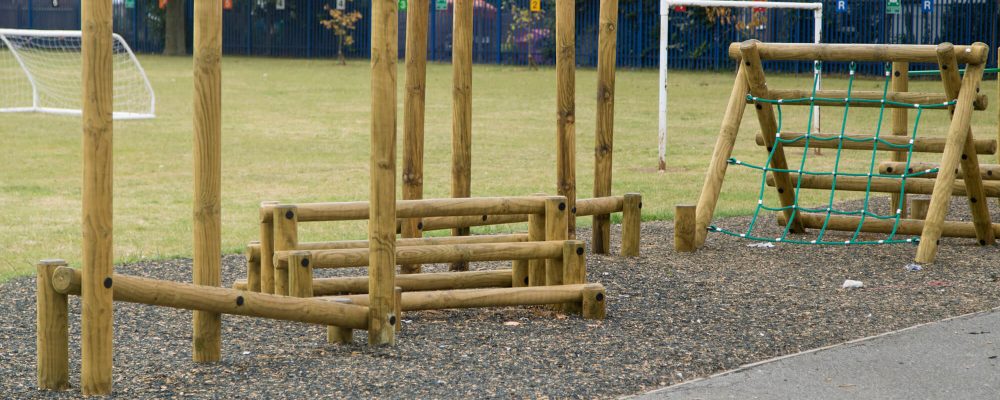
point(186, 296)
point(253, 250)
point(359, 210)
point(920, 145)
point(411, 282)
point(989, 172)
point(915, 227)
point(885, 185)
point(861, 52)
point(445, 253)
point(981, 102)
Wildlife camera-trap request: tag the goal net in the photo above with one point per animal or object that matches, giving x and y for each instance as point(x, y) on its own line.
point(40, 72)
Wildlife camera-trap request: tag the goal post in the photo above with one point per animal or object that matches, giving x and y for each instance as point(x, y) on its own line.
point(40, 72)
point(665, 6)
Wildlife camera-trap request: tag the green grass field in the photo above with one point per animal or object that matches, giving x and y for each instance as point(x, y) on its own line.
point(297, 131)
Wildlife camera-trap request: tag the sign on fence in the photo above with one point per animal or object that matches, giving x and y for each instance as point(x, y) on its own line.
point(441, 5)
point(927, 6)
point(536, 5)
point(893, 6)
point(341, 5)
point(841, 6)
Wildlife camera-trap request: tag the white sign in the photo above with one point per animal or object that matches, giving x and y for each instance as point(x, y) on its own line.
point(279, 5)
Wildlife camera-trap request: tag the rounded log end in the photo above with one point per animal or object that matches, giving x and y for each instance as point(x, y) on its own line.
point(63, 279)
point(749, 44)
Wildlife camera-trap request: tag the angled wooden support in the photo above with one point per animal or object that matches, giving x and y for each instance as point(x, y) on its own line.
point(958, 134)
point(769, 128)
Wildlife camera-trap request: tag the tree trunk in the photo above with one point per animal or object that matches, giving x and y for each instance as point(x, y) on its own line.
point(174, 41)
point(340, 50)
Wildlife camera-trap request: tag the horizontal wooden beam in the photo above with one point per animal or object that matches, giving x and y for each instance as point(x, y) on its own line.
point(861, 52)
point(920, 144)
point(599, 205)
point(980, 103)
point(442, 223)
point(186, 296)
point(885, 185)
point(475, 206)
point(432, 254)
point(253, 250)
point(479, 298)
point(411, 282)
point(907, 227)
point(989, 172)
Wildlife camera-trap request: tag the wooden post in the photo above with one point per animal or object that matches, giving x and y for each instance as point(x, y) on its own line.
point(52, 330)
point(267, 271)
point(900, 81)
point(461, 112)
point(206, 337)
point(769, 129)
point(998, 108)
point(536, 233)
point(519, 276)
point(574, 269)
point(98, 182)
point(566, 107)
point(382, 213)
point(413, 115)
point(398, 312)
point(918, 207)
point(594, 301)
point(957, 136)
point(253, 267)
point(339, 335)
point(969, 161)
point(709, 196)
point(605, 126)
point(556, 216)
point(684, 223)
point(286, 237)
point(631, 220)
point(300, 274)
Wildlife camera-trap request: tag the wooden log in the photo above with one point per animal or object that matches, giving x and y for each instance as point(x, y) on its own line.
point(566, 107)
point(411, 282)
point(133, 289)
point(267, 246)
point(769, 127)
point(445, 253)
point(918, 206)
point(900, 82)
point(339, 335)
point(599, 205)
point(574, 270)
point(860, 52)
point(382, 216)
point(286, 238)
point(519, 275)
point(605, 126)
point(594, 301)
point(969, 161)
point(253, 266)
point(442, 223)
point(52, 330)
point(960, 229)
point(398, 303)
point(473, 206)
point(300, 274)
point(206, 336)
point(988, 172)
point(556, 216)
point(684, 222)
point(536, 233)
point(723, 150)
point(631, 224)
point(254, 251)
point(886, 185)
point(920, 144)
point(98, 181)
point(958, 133)
point(862, 98)
point(461, 116)
point(413, 115)
point(481, 298)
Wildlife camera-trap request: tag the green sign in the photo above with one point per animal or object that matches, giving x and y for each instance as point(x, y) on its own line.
point(893, 6)
point(402, 5)
point(129, 3)
point(441, 5)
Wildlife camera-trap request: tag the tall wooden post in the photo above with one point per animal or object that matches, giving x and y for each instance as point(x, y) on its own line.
point(605, 127)
point(566, 107)
point(900, 81)
point(52, 333)
point(413, 115)
point(206, 337)
point(461, 112)
point(98, 183)
point(382, 214)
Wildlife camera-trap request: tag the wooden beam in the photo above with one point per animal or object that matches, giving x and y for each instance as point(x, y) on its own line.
point(461, 114)
point(605, 126)
point(52, 329)
point(252, 255)
point(566, 106)
point(599, 205)
point(286, 238)
point(920, 144)
point(413, 115)
point(443, 253)
point(556, 216)
point(988, 172)
point(900, 82)
point(267, 246)
point(631, 224)
point(481, 298)
point(981, 102)
point(860, 52)
point(411, 282)
point(684, 222)
point(96, 45)
point(254, 251)
point(959, 229)
point(473, 206)
point(133, 289)
point(885, 185)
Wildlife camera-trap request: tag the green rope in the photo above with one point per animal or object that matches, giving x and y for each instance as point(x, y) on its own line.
point(829, 210)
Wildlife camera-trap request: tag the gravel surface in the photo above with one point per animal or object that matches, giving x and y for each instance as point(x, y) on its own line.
point(671, 317)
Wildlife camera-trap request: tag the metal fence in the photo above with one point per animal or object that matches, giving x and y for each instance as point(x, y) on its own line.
point(698, 36)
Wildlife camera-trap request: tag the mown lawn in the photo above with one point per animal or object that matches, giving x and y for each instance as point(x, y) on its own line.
point(297, 131)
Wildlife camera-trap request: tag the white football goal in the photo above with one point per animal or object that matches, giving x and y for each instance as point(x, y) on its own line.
point(40, 72)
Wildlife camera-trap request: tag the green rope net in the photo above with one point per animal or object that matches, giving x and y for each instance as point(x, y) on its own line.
point(828, 211)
